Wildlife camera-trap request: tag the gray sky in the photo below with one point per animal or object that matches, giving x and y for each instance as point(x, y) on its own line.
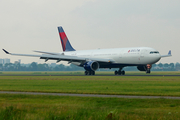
point(27, 25)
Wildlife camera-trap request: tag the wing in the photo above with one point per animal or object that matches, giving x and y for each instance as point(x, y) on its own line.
point(60, 57)
point(168, 55)
point(51, 53)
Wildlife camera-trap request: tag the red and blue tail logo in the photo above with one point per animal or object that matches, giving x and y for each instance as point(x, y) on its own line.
point(64, 40)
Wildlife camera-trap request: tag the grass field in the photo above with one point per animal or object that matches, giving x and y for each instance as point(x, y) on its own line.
point(33, 107)
point(39, 107)
point(124, 85)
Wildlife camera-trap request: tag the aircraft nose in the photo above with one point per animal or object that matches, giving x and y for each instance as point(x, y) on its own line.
point(158, 57)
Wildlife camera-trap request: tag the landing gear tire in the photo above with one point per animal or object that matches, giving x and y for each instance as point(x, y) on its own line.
point(119, 72)
point(116, 72)
point(89, 72)
point(86, 72)
point(148, 71)
point(93, 72)
point(123, 72)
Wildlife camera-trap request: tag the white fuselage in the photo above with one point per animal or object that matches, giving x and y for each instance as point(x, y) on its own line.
point(135, 56)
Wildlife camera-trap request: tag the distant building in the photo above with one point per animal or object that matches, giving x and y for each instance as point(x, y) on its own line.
point(19, 61)
point(6, 60)
point(16, 62)
point(1, 61)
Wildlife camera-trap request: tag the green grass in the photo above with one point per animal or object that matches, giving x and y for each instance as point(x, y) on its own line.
point(122, 85)
point(37, 107)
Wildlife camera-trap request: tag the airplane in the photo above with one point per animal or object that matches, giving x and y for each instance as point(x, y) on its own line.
point(92, 60)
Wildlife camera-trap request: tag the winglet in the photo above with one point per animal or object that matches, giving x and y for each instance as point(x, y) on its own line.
point(6, 51)
point(169, 53)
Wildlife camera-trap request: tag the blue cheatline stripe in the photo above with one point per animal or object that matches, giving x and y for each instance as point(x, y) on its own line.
point(60, 29)
point(69, 47)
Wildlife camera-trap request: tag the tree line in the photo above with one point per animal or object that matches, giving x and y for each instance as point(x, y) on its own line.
point(38, 67)
point(60, 67)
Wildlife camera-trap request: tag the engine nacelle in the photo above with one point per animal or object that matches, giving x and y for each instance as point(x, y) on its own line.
point(91, 66)
point(142, 68)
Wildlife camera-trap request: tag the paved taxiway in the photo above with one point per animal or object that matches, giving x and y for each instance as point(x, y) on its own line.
point(91, 95)
point(82, 75)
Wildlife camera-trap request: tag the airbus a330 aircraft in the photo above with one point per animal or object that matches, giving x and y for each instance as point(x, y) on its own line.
point(92, 60)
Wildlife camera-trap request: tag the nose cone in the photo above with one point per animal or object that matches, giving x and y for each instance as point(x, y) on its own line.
point(153, 59)
point(157, 57)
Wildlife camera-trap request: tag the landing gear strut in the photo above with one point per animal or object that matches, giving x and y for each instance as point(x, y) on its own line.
point(89, 72)
point(148, 71)
point(148, 68)
point(119, 72)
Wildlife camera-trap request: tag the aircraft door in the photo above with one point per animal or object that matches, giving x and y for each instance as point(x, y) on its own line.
point(120, 55)
point(142, 56)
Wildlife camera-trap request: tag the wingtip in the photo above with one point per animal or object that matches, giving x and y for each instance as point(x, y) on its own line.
point(169, 53)
point(5, 51)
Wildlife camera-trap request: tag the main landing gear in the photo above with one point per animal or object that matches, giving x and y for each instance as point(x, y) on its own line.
point(89, 72)
point(119, 72)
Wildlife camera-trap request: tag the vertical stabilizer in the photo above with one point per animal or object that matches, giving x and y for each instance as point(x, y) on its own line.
point(66, 45)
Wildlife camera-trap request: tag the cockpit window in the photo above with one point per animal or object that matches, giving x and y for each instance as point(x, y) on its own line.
point(154, 52)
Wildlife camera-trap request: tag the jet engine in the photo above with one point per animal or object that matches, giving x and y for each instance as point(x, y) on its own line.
point(91, 66)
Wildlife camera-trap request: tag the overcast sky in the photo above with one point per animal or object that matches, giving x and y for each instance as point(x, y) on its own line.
point(27, 25)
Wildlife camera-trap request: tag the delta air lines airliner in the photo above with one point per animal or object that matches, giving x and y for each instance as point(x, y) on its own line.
point(92, 60)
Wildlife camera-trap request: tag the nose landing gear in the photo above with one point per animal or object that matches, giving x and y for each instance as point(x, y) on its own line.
point(148, 71)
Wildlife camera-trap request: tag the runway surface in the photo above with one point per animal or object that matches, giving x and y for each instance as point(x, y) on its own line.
point(83, 75)
point(91, 95)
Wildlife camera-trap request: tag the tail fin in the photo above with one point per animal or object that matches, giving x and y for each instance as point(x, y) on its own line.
point(66, 45)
